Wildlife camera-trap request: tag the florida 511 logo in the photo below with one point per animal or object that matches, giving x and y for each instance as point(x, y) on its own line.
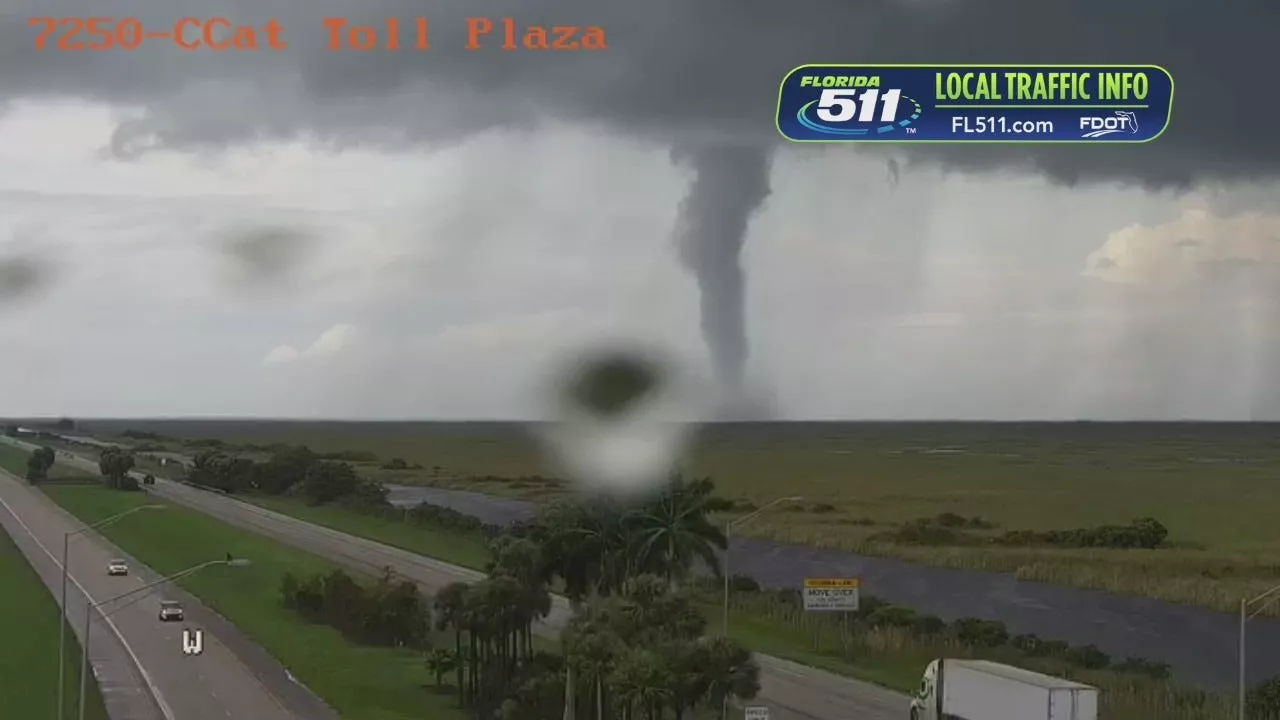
point(846, 105)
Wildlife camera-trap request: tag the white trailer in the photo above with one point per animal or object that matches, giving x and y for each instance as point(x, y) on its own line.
point(983, 690)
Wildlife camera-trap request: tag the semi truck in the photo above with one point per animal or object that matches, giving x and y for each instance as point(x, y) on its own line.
point(983, 690)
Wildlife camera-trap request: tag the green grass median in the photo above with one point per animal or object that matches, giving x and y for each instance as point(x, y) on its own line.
point(360, 683)
point(29, 654)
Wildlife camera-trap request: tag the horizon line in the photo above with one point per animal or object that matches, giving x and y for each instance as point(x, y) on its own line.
point(725, 421)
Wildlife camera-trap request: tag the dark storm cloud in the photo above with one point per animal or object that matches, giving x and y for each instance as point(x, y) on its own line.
point(676, 70)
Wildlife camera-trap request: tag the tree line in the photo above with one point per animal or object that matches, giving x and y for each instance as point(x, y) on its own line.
point(951, 529)
point(634, 647)
point(295, 471)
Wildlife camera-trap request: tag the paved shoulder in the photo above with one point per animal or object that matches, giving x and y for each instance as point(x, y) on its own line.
point(214, 685)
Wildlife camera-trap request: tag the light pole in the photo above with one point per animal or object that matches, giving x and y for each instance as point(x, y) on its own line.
point(91, 606)
point(728, 528)
point(62, 609)
point(1262, 602)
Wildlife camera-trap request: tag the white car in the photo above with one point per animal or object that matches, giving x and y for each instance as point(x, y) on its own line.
point(117, 567)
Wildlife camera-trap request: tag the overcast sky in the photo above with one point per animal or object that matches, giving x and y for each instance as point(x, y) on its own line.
point(303, 234)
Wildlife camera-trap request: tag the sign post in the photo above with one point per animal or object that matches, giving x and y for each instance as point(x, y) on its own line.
point(756, 712)
point(831, 594)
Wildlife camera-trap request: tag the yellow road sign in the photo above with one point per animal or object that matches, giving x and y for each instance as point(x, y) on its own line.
point(832, 583)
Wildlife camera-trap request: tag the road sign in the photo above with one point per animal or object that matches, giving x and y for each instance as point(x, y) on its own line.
point(831, 594)
point(756, 712)
point(192, 642)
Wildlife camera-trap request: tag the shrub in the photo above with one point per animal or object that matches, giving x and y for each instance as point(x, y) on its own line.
point(950, 520)
point(927, 625)
point(39, 464)
point(1144, 532)
point(1263, 700)
point(1142, 666)
point(892, 616)
point(1088, 657)
point(391, 612)
point(349, 456)
point(980, 633)
point(924, 531)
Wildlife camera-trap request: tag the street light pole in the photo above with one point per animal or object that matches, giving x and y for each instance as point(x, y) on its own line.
point(91, 606)
point(1263, 601)
point(62, 609)
point(728, 529)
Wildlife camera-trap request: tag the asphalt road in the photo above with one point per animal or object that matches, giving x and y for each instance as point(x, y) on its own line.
point(164, 682)
point(790, 691)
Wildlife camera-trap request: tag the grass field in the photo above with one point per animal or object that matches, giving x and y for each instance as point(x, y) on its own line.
point(361, 683)
point(29, 654)
point(883, 657)
point(1212, 485)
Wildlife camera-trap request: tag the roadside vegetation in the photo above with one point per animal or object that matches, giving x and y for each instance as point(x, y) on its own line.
point(360, 682)
point(881, 643)
point(865, 481)
point(885, 644)
point(29, 653)
point(352, 639)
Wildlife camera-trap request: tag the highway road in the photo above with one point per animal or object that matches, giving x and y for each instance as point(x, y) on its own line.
point(791, 691)
point(138, 660)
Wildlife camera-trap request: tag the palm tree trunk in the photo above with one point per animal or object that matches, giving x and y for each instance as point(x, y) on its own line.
point(599, 698)
point(457, 656)
point(570, 695)
point(570, 692)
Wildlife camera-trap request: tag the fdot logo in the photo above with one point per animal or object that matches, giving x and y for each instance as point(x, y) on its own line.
point(1124, 121)
point(856, 105)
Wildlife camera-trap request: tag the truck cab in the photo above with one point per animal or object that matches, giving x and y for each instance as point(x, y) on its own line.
point(925, 701)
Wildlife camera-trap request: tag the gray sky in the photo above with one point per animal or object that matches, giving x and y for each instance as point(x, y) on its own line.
point(307, 233)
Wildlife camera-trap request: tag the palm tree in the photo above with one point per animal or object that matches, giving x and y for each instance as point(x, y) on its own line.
point(641, 680)
point(450, 608)
point(521, 560)
point(584, 547)
point(590, 645)
point(440, 662)
point(673, 532)
point(728, 671)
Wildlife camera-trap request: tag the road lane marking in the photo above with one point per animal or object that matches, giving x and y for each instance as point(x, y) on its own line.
point(156, 693)
point(146, 677)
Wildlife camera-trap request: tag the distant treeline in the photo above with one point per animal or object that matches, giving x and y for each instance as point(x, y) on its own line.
point(295, 471)
point(951, 529)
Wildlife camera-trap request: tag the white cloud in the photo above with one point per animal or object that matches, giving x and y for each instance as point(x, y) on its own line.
point(330, 342)
point(281, 354)
point(1185, 248)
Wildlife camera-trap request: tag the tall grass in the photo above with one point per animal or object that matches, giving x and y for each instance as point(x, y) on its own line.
point(1125, 695)
point(1215, 580)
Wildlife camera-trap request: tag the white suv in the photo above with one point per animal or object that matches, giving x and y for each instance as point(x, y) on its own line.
point(117, 567)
